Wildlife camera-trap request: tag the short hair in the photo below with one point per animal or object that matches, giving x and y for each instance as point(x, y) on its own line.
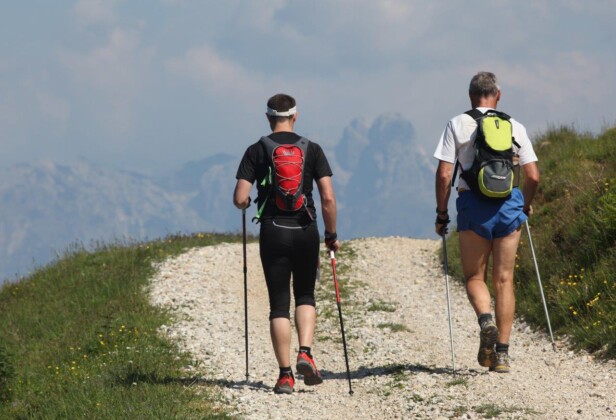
point(484, 84)
point(280, 102)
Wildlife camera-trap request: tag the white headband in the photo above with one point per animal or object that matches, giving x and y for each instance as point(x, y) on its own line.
point(274, 113)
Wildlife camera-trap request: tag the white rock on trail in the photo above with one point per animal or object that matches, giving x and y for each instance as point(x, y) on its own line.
point(397, 331)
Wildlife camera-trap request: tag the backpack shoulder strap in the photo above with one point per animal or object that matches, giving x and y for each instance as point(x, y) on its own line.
point(474, 113)
point(500, 114)
point(455, 172)
point(269, 145)
point(303, 144)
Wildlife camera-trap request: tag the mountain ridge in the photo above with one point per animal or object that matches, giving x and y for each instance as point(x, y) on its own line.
point(382, 178)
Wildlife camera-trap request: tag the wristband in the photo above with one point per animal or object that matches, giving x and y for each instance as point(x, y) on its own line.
point(440, 221)
point(330, 237)
point(441, 212)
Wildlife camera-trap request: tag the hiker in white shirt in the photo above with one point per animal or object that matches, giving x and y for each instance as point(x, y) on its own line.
point(486, 227)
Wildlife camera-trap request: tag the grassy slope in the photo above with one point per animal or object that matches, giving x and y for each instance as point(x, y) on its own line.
point(574, 235)
point(78, 339)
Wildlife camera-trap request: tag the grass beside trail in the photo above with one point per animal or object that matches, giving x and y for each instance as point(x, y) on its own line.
point(574, 236)
point(78, 339)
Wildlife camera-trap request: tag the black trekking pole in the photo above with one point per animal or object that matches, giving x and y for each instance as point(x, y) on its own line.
point(545, 306)
point(332, 254)
point(453, 356)
point(245, 288)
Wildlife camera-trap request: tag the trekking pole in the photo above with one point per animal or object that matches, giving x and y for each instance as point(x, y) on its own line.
point(245, 288)
point(453, 356)
point(346, 356)
point(545, 306)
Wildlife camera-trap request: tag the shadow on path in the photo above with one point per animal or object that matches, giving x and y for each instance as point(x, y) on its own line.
point(360, 373)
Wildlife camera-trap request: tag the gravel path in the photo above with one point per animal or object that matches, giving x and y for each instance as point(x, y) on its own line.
point(395, 317)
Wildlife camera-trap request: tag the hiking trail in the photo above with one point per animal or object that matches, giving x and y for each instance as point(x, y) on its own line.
point(395, 318)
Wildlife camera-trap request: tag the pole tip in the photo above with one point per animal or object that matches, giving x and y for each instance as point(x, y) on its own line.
point(351, 392)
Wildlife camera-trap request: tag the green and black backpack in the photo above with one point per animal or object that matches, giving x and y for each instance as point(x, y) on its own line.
point(492, 173)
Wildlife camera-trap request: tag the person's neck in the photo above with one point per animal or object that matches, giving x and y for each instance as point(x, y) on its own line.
point(283, 128)
point(485, 102)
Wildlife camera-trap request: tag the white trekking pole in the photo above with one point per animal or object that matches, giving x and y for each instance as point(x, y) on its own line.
point(453, 356)
point(245, 289)
point(545, 306)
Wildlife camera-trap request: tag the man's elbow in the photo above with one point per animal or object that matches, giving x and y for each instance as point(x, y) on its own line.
point(328, 201)
point(532, 175)
point(240, 202)
point(443, 178)
point(444, 173)
point(535, 177)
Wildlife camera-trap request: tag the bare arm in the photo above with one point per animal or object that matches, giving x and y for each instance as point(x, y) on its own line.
point(531, 182)
point(241, 195)
point(328, 206)
point(444, 173)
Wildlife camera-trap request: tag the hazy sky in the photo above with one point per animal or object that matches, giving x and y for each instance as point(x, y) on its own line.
point(151, 84)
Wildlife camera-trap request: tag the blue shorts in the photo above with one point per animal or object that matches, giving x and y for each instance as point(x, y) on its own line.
point(490, 219)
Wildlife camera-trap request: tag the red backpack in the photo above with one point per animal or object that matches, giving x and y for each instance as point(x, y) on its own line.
point(286, 174)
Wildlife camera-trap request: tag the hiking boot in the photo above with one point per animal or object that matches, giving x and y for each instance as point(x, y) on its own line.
point(487, 340)
point(284, 385)
point(305, 366)
point(500, 363)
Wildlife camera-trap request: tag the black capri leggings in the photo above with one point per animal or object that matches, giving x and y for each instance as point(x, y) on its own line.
point(287, 250)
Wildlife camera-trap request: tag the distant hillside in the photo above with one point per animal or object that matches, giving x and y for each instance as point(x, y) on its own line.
point(46, 206)
point(383, 181)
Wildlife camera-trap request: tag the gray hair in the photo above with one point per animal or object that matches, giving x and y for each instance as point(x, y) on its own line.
point(484, 84)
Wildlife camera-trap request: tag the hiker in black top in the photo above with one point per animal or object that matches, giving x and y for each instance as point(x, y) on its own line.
point(289, 240)
point(254, 167)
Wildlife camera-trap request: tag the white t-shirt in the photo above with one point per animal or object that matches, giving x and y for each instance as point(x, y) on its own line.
point(457, 142)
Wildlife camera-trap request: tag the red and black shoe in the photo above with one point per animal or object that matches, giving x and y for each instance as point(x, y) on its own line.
point(284, 385)
point(306, 367)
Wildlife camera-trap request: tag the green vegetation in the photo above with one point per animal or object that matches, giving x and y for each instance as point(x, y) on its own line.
point(457, 381)
point(490, 411)
point(79, 339)
point(459, 411)
point(326, 294)
point(574, 235)
point(393, 326)
point(398, 380)
point(381, 306)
